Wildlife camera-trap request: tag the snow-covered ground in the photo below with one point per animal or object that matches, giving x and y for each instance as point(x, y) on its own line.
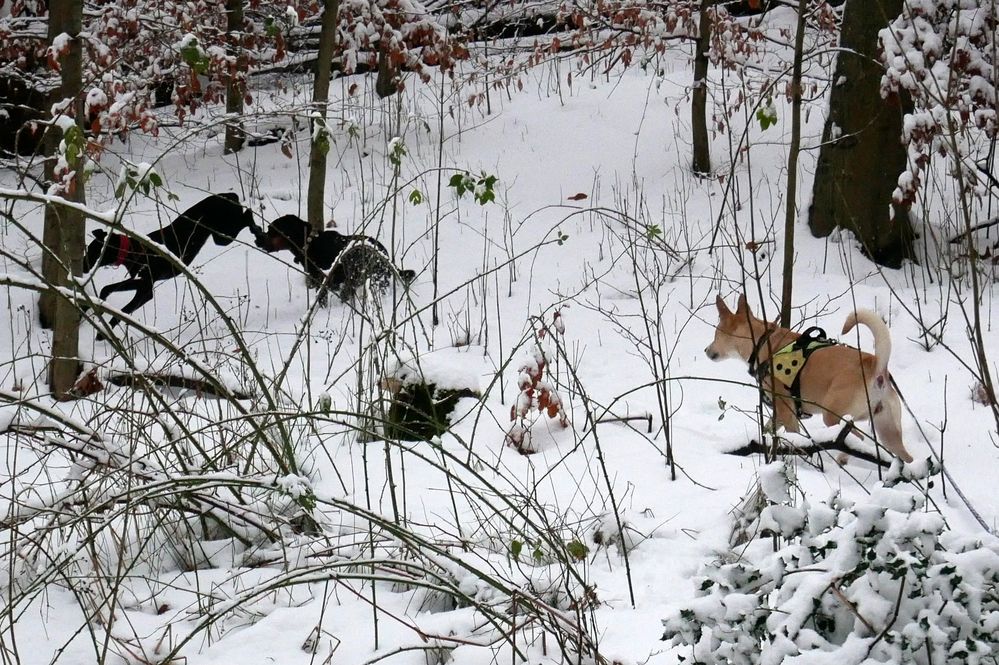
point(539, 249)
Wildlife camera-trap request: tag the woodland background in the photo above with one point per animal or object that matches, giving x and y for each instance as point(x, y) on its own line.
point(226, 478)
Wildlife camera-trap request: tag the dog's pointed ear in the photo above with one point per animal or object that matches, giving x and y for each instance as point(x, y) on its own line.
point(723, 309)
point(743, 306)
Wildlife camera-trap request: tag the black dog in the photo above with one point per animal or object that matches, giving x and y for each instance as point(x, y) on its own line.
point(354, 259)
point(219, 216)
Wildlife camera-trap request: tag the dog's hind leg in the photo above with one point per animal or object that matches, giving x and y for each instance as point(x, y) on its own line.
point(887, 419)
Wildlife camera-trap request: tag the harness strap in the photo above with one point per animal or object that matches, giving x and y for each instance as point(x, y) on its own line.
point(755, 368)
point(796, 356)
point(813, 339)
point(123, 248)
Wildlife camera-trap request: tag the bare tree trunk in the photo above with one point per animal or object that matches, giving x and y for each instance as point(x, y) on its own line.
point(387, 81)
point(234, 134)
point(320, 136)
point(50, 233)
point(862, 153)
point(65, 227)
point(699, 97)
point(791, 207)
point(50, 238)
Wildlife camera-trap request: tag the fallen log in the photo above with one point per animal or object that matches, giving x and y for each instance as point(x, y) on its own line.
point(202, 387)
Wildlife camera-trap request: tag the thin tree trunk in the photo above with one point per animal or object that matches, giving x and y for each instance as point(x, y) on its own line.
point(320, 136)
point(67, 226)
point(50, 238)
point(50, 232)
point(699, 97)
point(235, 137)
point(387, 81)
point(791, 207)
point(862, 153)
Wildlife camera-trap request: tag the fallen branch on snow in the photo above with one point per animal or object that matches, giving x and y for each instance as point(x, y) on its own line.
point(138, 379)
point(840, 443)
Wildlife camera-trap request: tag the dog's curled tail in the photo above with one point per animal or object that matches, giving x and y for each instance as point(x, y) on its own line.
point(882, 336)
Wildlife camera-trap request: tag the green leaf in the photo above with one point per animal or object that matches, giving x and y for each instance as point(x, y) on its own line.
point(416, 197)
point(271, 28)
point(397, 153)
point(322, 142)
point(192, 54)
point(577, 550)
point(516, 547)
point(767, 115)
point(307, 500)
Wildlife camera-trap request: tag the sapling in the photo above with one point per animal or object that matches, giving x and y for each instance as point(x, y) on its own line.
point(537, 397)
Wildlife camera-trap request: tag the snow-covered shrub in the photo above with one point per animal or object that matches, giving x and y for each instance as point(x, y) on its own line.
point(538, 396)
point(942, 52)
point(883, 580)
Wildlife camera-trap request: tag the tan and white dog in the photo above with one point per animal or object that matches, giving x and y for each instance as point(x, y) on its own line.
point(835, 381)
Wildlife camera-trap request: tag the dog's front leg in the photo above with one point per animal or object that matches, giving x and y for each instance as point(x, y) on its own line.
point(317, 279)
point(784, 412)
point(124, 285)
point(143, 294)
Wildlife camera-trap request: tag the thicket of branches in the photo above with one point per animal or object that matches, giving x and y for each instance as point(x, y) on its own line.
point(207, 460)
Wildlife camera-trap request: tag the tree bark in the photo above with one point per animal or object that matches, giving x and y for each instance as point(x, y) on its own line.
point(387, 81)
point(791, 206)
point(862, 153)
point(64, 228)
point(235, 137)
point(699, 98)
point(320, 136)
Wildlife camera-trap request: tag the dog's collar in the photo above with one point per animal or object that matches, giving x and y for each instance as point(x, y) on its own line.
point(123, 247)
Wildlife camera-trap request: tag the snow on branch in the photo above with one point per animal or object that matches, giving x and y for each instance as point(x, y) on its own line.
point(942, 53)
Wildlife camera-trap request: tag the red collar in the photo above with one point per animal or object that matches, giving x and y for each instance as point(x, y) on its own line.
point(123, 244)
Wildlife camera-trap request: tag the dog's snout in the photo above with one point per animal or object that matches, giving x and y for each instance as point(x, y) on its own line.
point(711, 353)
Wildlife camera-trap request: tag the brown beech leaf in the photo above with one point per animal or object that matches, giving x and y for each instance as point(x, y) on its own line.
point(578, 197)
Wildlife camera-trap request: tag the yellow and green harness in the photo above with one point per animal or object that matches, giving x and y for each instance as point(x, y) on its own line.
point(785, 364)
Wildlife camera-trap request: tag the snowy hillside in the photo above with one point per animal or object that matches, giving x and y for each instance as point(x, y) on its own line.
point(339, 546)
